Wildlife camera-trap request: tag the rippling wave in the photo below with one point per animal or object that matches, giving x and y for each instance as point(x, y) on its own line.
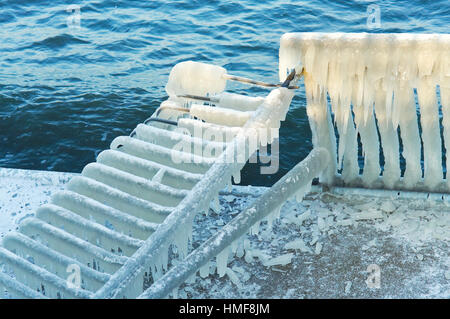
point(66, 92)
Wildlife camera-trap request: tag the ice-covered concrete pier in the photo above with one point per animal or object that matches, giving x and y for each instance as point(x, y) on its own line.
point(320, 248)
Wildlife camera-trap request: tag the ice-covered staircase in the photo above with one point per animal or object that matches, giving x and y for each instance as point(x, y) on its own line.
point(224, 243)
point(115, 222)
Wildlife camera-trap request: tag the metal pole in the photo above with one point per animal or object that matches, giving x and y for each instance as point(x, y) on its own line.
point(259, 83)
point(273, 198)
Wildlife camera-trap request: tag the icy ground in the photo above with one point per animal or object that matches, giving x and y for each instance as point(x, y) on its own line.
point(23, 191)
point(326, 243)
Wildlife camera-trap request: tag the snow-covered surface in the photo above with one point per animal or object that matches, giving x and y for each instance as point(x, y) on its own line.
point(23, 191)
point(319, 248)
point(376, 78)
point(322, 248)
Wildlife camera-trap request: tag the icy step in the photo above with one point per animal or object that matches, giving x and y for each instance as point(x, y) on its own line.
point(210, 131)
point(170, 139)
point(169, 157)
point(52, 260)
point(119, 200)
point(220, 115)
point(148, 169)
point(72, 246)
point(239, 102)
point(134, 185)
point(90, 231)
point(105, 215)
point(39, 278)
point(16, 289)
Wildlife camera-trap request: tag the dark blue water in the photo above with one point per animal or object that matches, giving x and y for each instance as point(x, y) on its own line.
point(66, 92)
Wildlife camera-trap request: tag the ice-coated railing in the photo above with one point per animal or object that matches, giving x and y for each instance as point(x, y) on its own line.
point(295, 183)
point(380, 102)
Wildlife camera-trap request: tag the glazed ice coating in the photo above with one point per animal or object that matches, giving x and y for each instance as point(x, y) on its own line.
point(371, 81)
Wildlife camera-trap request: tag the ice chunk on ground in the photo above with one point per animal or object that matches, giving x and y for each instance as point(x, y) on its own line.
point(388, 206)
point(318, 249)
point(370, 214)
point(298, 244)
point(233, 277)
point(282, 260)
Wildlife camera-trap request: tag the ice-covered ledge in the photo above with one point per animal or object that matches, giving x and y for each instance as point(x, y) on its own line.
point(395, 46)
point(327, 242)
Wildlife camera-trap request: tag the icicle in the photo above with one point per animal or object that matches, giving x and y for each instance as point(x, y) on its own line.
point(431, 138)
point(181, 241)
point(389, 96)
point(165, 260)
point(215, 205)
point(234, 245)
point(222, 261)
point(204, 270)
point(299, 195)
point(254, 230)
point(240, 248)
point(409, 131)
point(302, 191)
point(445, 100)
point(367, 100)
point(159, 176)
point(237, 177)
